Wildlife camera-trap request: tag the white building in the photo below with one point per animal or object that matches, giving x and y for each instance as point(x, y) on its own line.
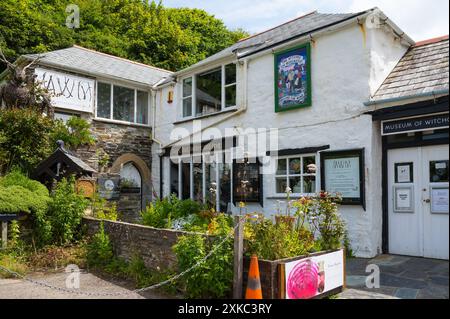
point(328, 141)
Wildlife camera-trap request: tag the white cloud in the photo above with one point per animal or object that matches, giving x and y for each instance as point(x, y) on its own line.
point(418, 18)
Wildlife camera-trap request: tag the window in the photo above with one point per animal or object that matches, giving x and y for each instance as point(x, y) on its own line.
point(209, 92)
point(122, 104)
point(207, 181)
point(298, 173)
point(187, 97)
point(247, 182)
point(104, 100)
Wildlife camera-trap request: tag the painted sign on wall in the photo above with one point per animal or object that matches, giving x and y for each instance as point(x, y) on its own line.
point(68, 91)
point(314, 276)
point(415, 124)
point(293, 78)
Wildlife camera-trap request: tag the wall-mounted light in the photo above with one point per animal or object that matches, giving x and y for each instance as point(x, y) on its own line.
point(170, 97)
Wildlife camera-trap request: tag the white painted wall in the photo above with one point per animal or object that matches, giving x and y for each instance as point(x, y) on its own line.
point(347, 66)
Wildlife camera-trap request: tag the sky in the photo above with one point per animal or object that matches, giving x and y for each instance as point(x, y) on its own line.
point(420, 19)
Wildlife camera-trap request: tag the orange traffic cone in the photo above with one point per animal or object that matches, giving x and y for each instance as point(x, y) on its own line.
point(254, 283)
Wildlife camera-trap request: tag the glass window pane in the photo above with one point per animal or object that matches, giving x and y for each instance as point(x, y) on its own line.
point(123, 108)
point(187, 107)
point(230, 96)
point(142, 107)
point(209, 92)
point(439, 172)
point(295, 166)
point(187, 87)
point(282, 166)
point(198, 181)
point(246, 184)
point(309, 165)
point(230, 74)
point(295, 183)
point(309, 184)
point(174, 178)
point(225, 186)
point(210, 184)
point(186, 179)
point(104, 100)
point(281, 185)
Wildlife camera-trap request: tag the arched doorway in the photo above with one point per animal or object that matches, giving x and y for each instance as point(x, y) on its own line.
point(132, 167)
point(130, 175)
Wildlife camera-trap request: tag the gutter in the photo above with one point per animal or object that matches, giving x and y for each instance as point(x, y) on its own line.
point(433, 94)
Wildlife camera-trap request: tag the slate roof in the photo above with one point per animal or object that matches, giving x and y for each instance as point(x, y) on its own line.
point(423, 69)
point(95, 63)
point(298, 27)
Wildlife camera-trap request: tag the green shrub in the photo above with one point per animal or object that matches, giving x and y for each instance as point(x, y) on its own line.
point(101, 209)
point(213, 277)
point(75, 133)
point(277, 241)
point(25, 139)
point(66, 211)
point(99, 251)
point(19, 194)
point(162, 213)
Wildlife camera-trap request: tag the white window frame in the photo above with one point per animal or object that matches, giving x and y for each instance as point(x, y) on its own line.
point(111, 115)
point(301, 175)
point(193, 95)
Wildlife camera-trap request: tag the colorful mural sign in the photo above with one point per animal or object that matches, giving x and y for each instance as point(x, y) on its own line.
point(311, 277)
point(293, 78)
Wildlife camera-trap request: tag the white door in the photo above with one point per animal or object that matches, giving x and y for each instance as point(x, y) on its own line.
point(418, 201)
point(435, 201)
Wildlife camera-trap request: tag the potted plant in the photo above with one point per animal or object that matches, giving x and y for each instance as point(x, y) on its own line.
point(129, 186)
point(287, 218)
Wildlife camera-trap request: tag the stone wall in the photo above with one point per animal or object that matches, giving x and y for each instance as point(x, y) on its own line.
point(153, 245)
point(117, 140)
point(129, 207)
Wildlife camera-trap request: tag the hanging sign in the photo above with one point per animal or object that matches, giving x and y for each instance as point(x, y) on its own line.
point(68, 91)
point(343, 172)
point(416, 124)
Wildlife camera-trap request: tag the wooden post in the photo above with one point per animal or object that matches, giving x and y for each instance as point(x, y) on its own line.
point(238, 257)
point(4, 234)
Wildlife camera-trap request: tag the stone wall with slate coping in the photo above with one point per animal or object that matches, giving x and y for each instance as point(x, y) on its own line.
point(153, 245)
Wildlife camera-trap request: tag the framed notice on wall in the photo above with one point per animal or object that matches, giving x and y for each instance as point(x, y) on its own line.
point(343, 172)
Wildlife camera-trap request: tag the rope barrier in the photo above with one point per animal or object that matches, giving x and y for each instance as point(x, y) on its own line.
point(116, 294)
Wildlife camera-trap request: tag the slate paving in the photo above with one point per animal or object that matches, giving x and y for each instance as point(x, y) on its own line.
point(400, 278)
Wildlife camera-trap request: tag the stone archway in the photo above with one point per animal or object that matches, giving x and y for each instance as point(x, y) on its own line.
point(144, 171)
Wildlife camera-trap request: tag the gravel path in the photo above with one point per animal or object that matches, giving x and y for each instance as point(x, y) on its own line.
point(20, 289)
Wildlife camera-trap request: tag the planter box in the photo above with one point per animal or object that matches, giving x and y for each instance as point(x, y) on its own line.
point(272, 275)
point(130, 190)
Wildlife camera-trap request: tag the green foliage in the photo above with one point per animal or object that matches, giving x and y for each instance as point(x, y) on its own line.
point(19, 194)
point(101, 209)
point(66, 211)
point(99, 250)
point(138, 30)
point(277, 241)
point(162, 213)
point(25, 139)
point(74, 133)
point(213, 277)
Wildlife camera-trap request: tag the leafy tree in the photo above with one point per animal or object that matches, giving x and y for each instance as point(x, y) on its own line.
point(135, 29)
point(24, 139)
